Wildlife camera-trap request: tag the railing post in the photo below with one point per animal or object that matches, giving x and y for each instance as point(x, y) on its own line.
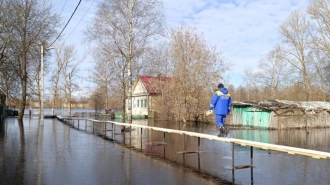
point(184, 150)
point(233, 162)
point(113, 131)
point(105, 129)
point(164, 144)
point(199, 160)
point(78, 124)
point(85, 124)
point(251, 164)
point(141, 139)
point(251, 156)
point(184, 147)
point(233, 156)
point(199, 142)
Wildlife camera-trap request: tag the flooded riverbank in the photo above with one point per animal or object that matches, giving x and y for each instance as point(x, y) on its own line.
point(59, 154)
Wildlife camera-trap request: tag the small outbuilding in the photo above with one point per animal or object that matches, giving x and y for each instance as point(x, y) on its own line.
point(281, 114)
point(144, 95)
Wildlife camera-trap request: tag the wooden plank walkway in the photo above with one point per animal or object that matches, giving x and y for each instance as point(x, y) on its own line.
point(265, 146)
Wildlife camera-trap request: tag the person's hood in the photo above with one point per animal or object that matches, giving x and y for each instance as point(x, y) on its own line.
point(223, 90)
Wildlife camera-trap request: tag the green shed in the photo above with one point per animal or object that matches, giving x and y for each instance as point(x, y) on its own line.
point(245, 115)
point(281, 114)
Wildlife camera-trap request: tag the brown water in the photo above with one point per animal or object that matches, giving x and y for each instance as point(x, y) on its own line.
point(61, 154)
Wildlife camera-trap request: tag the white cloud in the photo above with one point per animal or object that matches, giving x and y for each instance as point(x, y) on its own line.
point(245, 30)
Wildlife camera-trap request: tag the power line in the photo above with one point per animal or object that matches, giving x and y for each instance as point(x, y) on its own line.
point(80, 20)
point(63, 7)
point(66, 23)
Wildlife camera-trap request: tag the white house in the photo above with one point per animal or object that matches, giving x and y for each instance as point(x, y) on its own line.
point(145, 90)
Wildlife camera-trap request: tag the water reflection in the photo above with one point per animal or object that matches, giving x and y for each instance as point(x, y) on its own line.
point(180, 150)
point(317, 139)
point(61, 154)
point(40, 139)
point(21, 159)
point(2, 127)
point(12, 154)
point(30, 154)
point(214, 158)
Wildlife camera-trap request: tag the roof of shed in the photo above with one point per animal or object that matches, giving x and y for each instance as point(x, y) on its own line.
point(151, 83)
point(286, 104)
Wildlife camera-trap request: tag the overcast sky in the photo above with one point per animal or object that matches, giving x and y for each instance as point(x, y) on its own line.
point(244, 30)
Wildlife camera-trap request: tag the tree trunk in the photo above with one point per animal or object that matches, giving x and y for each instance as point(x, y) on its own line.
point(23, 97)
point(70, 104)
point(5, 84)
point(106, 98)
point(54, 99)
point(123, 110)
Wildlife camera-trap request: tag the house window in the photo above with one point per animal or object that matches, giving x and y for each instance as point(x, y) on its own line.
point(138, 104)
point(145, 102)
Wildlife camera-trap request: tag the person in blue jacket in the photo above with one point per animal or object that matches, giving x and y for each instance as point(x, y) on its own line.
point(221, 104)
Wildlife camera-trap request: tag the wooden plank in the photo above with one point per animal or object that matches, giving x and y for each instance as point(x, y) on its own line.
point(243, 166)
point(156, 143)
point(265, 146)
point(188, 152)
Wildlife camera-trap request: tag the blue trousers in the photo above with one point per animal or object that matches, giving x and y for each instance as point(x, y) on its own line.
point(220, 120)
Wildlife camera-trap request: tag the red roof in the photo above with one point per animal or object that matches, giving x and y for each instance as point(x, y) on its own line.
point(151, 83)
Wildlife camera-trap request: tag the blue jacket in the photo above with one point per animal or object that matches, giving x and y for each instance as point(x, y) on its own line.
point(221, 102)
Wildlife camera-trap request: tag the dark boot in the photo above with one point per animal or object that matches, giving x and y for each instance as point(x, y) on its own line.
point(221, 131)
point(225, 131)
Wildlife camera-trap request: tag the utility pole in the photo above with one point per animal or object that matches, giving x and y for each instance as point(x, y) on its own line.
point(30, 108)
point(42, 83)
point(129, 66)
point(129, 94)
point(42, 86)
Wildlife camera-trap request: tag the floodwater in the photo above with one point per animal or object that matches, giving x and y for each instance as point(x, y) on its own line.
point(58, 153)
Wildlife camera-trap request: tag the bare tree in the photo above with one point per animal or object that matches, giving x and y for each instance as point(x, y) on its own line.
point(327, 75)
point(197, 67)
point(7, 75)
point(241, 93)
point(70, 71)
point(157, 61)
point(8, 85)
point(5, 28)
point(319, 11)
point(31, 23)
point(56, 74)
point(96, 101)
point(102, 73)
point(34, 79)
point(295, 32)
point(320, 62)
point(126, 27)
point(272, 73)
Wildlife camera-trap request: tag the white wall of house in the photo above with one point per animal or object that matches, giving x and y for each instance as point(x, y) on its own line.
point(139, 88)
point(140, 105)
point(139, 100)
